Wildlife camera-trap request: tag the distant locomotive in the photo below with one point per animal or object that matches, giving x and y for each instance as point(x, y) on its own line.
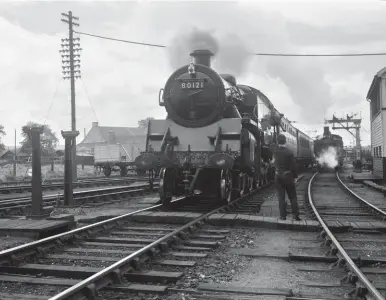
point(329, 151)
point(217, 135)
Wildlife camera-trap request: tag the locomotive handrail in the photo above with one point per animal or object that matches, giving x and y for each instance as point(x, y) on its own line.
point(351, 265)
point(159, 97)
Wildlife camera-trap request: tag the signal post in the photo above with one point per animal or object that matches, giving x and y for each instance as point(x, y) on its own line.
point(69, 138)
point(36, 211)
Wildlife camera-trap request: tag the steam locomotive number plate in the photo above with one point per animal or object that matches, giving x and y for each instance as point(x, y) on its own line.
point(192, 84)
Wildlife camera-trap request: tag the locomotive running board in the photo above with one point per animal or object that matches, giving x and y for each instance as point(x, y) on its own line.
point(216, 140)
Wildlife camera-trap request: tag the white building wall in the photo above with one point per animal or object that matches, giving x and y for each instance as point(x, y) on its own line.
point(378, 134)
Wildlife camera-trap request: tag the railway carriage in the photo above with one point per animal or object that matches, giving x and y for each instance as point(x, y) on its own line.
point(217, 138)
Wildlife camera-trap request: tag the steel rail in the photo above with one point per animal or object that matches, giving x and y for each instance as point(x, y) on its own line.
point(28, 189)
point(84, 284)
point(14, 250)
point(78, 193)
point(60, 179)
point(351, 265)
point(380, 211)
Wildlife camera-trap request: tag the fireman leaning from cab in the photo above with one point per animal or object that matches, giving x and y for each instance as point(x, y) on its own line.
point(286, 174)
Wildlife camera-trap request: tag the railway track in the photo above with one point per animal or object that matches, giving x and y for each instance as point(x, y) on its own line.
point(360, 252)
point(115, 255)
point(53, 185)
point(48, 181)
point(93, 197)
point(121, 258)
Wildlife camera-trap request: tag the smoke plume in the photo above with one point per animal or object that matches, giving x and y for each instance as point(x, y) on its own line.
point(328, 157)
point(185, 42)
point(306, 84)
point(230, 54)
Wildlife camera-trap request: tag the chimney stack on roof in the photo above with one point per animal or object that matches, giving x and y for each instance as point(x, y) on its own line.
point(111, 137)
point(94, 124)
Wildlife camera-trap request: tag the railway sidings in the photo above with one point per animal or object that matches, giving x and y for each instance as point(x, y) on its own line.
point(85, 197)
point(21, 187)
point(194, 250)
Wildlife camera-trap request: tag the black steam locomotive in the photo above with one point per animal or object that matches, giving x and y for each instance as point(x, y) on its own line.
point(329, 151)
point(213, 141)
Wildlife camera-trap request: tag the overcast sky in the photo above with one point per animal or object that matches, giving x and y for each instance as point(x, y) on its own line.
point(120, 82)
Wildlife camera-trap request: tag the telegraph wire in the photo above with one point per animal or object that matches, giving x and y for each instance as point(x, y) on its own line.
point(52, 100)
point(93, 109)
point(256, 54)
point(88, 98)
point(120, 40)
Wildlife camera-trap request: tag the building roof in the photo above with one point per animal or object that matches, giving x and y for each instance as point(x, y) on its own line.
point(108, 134)
point(375, 83)
point(4, 152)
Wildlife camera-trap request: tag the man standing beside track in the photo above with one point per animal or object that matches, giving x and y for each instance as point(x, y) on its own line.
point(285, 178)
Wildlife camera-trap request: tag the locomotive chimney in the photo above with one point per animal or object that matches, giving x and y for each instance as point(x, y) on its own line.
point(326, 131)
point(202, 57)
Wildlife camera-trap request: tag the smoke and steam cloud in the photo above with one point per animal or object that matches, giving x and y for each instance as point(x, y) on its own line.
point(230, 54)
point(307, 86)
point(328, 157)
point(185, 42)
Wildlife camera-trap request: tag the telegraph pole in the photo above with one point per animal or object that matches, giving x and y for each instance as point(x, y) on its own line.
point(70, 72)
point(14, 159)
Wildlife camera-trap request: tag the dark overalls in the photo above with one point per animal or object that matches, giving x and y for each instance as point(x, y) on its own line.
point(285, 180)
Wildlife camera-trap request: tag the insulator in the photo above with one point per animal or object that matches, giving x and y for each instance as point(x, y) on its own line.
point(65, 40)
point(77, 38)
point(76, 44)
point(75, 24)
point(64, 14)
point(76, 18)
point(65, 61)
point(77, 77)
point(65, 21)
point(65, 45)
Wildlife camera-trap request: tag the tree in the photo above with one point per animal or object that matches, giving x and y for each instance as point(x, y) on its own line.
point(48, 139)
point(143, 123)
point(2, 134)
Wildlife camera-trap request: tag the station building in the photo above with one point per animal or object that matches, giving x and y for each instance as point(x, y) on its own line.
point(377, 98)
point(135, 137)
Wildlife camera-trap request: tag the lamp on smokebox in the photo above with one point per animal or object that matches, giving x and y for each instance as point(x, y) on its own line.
point(192, 70)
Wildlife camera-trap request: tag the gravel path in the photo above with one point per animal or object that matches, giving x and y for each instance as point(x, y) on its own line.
point(267, 272)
